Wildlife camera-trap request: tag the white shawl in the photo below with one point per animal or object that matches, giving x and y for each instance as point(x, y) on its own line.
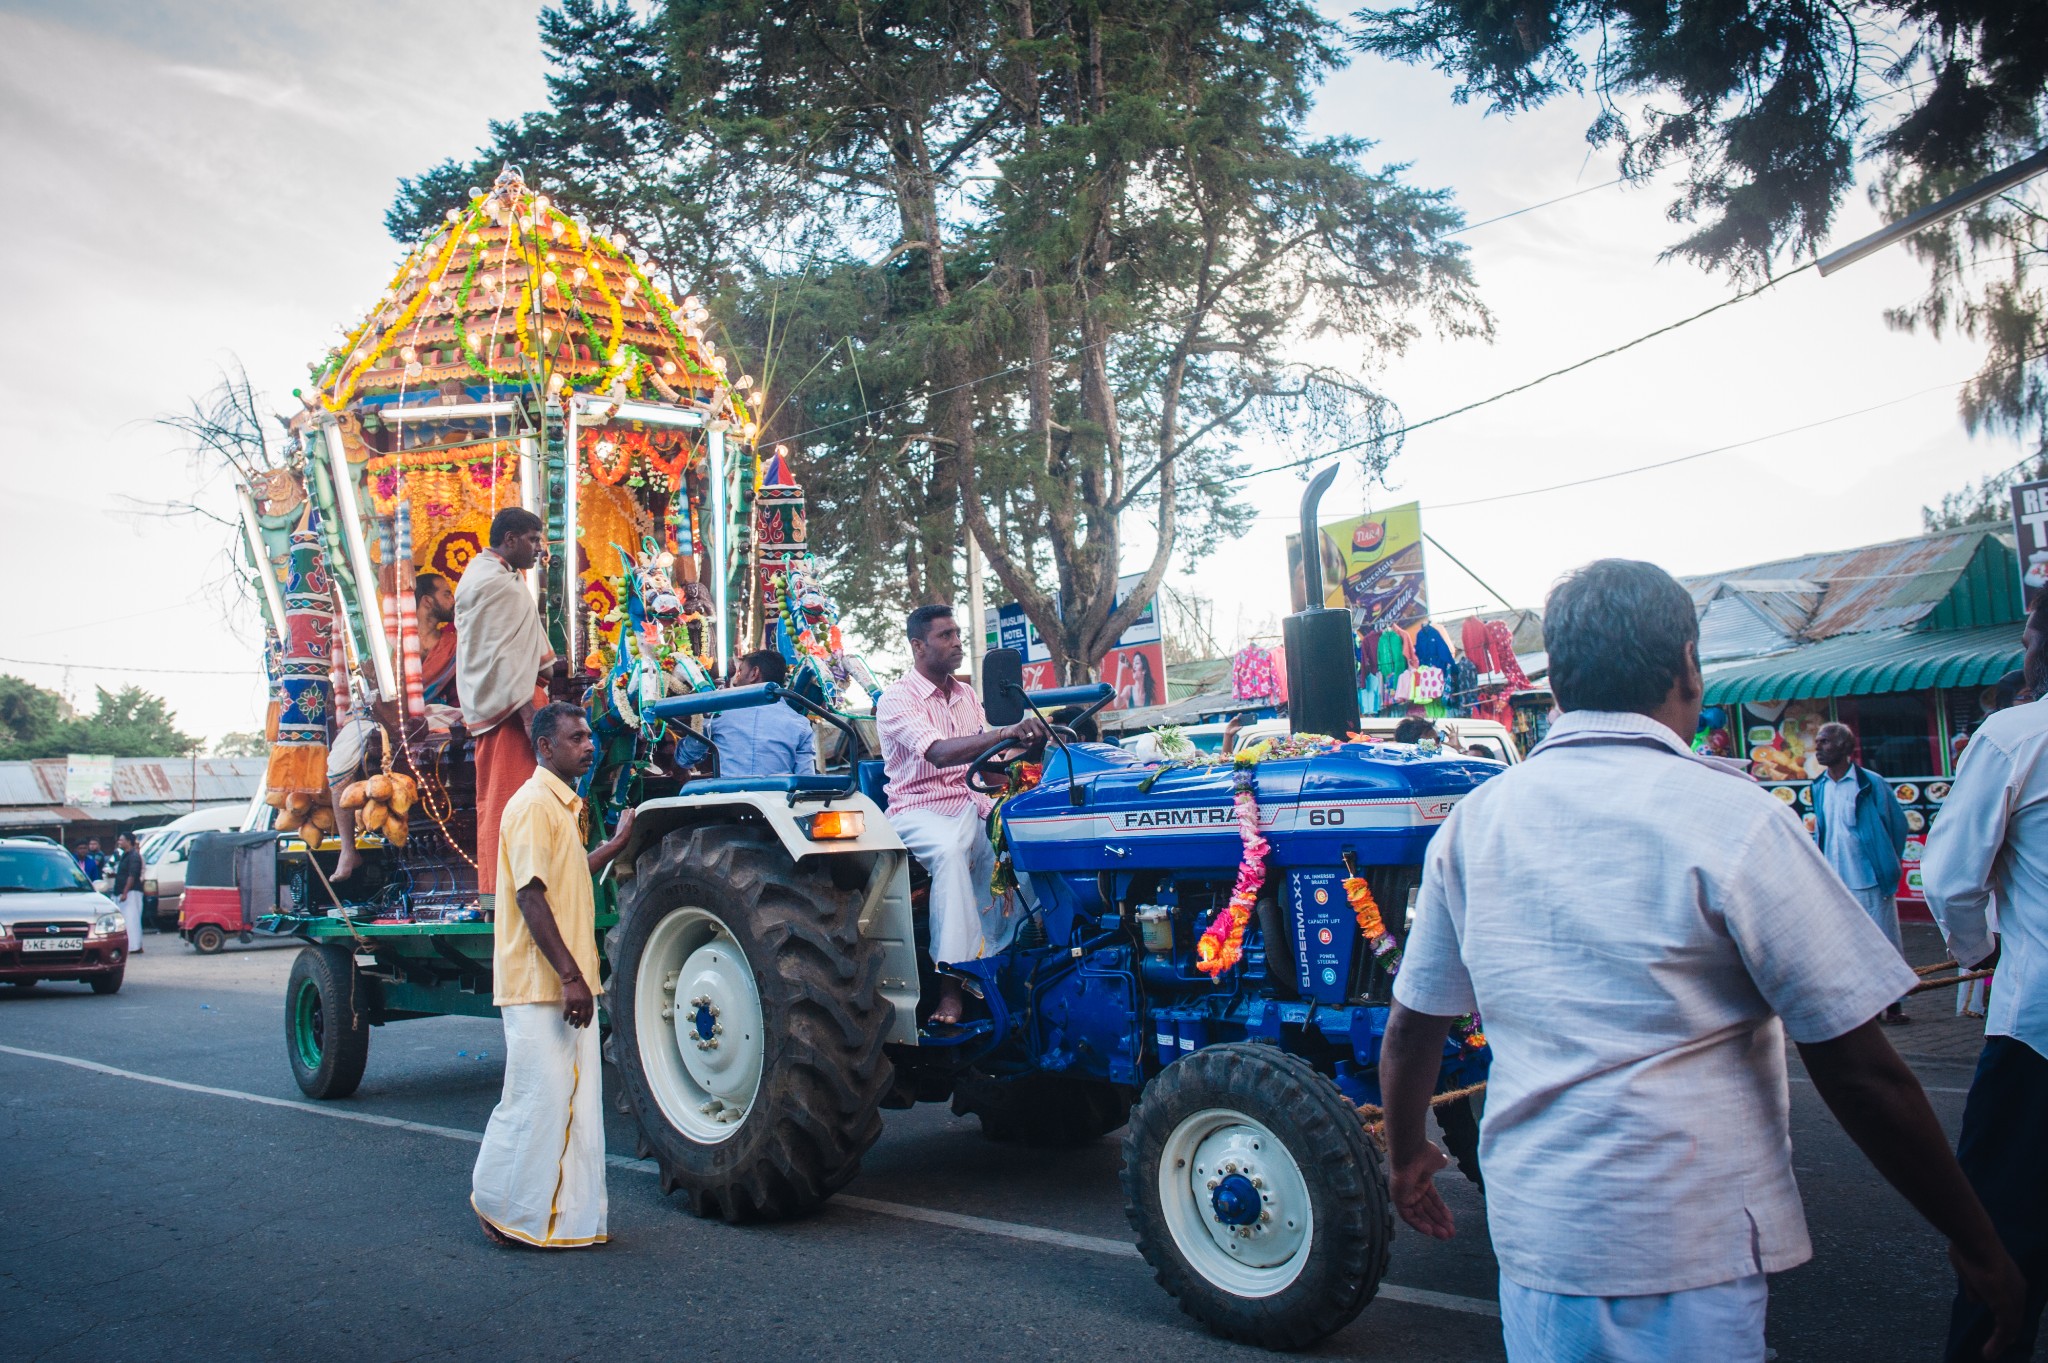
point(500, 647)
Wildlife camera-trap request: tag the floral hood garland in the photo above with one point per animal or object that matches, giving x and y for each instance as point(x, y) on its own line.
point(1222, 945)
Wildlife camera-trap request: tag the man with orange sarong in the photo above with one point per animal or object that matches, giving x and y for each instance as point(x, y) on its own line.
point(501, 658)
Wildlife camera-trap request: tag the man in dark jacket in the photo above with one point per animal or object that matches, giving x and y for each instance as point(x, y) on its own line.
point(1861, 833)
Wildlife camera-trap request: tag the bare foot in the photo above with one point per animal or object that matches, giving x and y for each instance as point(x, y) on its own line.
point(347, 863)
point(947, 1013)
point(494, 1235)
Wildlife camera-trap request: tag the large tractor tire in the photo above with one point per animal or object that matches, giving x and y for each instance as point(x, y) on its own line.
point(750, 1020)
point(326, 1031)
point(1257, 1197)
point(1042, 1109)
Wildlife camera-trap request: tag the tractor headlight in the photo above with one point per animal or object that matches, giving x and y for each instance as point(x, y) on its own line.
point(110, 925)
point(835, 824)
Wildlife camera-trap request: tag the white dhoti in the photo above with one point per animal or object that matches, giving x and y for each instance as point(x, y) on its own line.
point(540, 1175)
point(131, 909)
point(1719, 1324)
point(968, 922)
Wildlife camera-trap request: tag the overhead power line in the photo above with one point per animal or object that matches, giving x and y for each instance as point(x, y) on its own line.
point(1575, 366)
point(124, 667)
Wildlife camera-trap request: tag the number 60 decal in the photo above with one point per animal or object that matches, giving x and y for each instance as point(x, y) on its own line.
point(1325, 818)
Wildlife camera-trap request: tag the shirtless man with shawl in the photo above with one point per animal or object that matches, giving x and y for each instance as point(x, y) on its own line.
point(501, 659)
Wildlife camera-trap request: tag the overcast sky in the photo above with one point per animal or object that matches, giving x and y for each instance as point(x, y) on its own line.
point(188, 183)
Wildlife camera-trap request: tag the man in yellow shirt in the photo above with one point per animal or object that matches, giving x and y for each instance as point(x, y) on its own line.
point(540, 1176)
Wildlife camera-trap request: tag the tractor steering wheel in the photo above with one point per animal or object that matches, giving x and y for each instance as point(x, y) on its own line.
point(988, 775)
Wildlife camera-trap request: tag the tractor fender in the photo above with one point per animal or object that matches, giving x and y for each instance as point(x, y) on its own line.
point(885, 915)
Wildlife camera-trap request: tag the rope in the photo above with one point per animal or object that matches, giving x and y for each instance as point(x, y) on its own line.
point(1963, 978)
point(1374, 1117)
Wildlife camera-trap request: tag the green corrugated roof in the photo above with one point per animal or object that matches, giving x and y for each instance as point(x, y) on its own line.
point(1866, 664)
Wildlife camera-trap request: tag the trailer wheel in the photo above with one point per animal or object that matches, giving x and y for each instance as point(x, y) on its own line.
point(326, 1031)
point(1042, 1109)
point(1257, 1197)
point(208, 939)
point(750, 1023)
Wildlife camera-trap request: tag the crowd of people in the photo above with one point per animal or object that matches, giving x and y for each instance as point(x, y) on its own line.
point(1637, 998)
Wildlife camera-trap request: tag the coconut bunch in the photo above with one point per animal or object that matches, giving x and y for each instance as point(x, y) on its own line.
point(299, 811)
point(381, 804)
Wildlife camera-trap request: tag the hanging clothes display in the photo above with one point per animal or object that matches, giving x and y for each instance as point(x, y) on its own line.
point(1502, 651)
point(1431, 648)
point(1429, 683)
point(1472, 634)
point(1463, 680)
point(1408, 633)
point(1278, 661)
point(1252, 675)
point(1393, 654)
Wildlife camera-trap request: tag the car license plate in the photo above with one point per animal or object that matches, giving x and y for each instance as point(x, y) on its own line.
point(52, 943)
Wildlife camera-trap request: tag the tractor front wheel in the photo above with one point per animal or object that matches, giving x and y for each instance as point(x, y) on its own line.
point(1257, 1197)
point(750, 1023)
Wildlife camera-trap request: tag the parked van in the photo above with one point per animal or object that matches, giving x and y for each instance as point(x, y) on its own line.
point(163, 860)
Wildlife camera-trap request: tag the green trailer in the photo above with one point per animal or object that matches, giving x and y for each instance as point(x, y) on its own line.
point(360, 969)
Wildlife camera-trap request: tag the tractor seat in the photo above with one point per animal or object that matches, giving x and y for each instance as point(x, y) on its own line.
point(873, 780)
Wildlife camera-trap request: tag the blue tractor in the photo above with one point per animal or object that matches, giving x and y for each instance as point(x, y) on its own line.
point(771, 985)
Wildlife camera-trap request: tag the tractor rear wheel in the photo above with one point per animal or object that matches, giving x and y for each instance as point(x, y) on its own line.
point(750, 1022)
point(326, 1032)
point(1042, 1109)
point(1257, 1197)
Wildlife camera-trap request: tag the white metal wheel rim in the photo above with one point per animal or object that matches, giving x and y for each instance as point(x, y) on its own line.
point(1273, 1254)
point(706, 1101)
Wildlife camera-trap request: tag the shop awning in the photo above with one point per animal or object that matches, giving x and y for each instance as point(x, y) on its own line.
point(1870, 663)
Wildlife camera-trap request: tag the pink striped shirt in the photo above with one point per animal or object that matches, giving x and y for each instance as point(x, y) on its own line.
point(912, 715)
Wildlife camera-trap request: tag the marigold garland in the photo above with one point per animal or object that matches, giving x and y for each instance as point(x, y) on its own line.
point(1367, 910)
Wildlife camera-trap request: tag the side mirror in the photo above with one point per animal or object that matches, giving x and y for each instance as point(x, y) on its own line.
point(1002, 686)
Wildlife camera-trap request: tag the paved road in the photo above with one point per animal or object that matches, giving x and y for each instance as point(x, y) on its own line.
point(214, 1214)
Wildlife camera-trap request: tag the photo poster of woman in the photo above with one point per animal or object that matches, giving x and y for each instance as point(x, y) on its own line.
point(1136, 667)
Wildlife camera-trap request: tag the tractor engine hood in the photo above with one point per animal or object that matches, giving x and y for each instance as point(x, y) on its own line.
point(1380, 802)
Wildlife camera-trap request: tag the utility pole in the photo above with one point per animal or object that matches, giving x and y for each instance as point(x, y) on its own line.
point(977, 630)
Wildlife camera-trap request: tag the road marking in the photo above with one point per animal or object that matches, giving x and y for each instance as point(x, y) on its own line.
point(981, 1225)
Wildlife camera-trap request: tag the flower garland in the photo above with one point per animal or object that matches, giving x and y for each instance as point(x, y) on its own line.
point(1222, 946)
point(1023, 776)
point(1367, 910)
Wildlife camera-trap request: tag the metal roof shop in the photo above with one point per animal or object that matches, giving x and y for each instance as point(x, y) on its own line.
point(146, 791)
point(1899, 641)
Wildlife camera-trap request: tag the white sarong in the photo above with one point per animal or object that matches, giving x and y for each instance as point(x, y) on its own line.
point(967, 920)
point(1723, 1323)
point(540, 1175)
point(131, 909)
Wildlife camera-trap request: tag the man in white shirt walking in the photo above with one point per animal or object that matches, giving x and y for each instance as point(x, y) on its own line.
point(1992, 840)
point(1641, 929)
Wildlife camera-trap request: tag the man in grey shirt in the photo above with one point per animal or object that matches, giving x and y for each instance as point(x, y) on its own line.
point(763, 740)
point(1642, 930)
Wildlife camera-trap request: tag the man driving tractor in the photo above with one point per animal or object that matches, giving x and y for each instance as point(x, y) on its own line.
point(932, 726)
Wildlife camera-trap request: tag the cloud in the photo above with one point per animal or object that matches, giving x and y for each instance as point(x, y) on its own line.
point(261, 92)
